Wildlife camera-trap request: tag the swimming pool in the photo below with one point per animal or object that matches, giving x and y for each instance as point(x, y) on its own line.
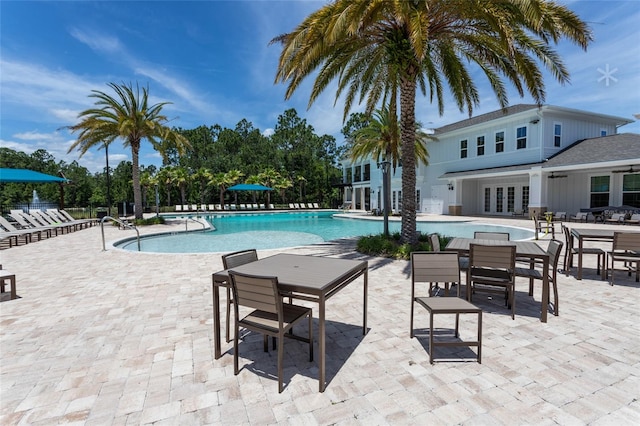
point(242, 231)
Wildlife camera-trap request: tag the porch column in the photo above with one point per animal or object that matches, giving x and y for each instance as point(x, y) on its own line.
point(537, 191)
point(455, 192)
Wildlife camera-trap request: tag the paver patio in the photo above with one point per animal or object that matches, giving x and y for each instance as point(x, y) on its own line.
point(126, 338)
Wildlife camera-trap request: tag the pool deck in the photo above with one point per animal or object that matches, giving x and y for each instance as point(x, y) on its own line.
point(114, 337)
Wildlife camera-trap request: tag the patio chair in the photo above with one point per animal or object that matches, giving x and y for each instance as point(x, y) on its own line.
point(492, 270)
point(178, 207)
point(434, 240)
point(518, 212)
point(616, 218)
point(483, 235)
point(441, 267)
point(271, 316)
point(26, 221)
point(11, 233)
point(232, 260)
point(579, 217)
point(633, 220)
point(554, 250)
point(433, 268)
point(570, 251)
point(544, 226)
point(626, 249)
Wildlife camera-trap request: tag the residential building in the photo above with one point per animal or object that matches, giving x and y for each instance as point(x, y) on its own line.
point(525, 158)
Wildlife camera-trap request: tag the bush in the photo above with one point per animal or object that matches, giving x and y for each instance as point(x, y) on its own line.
point(379, 245)
point(156, 220)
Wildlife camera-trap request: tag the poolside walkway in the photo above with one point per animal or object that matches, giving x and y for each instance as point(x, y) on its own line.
point(126, 338)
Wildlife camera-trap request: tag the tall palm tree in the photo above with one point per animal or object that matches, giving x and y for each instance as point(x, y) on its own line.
point(128, 116)
point(165, 177)
point(380, 140)
point(182, 178)
point(382, 50)
point(268, 178)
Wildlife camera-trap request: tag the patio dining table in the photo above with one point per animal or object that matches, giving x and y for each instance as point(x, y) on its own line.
point(311, 278)
point(524, 249)
point(591, 235)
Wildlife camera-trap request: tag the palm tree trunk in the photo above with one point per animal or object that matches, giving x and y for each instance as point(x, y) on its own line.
point(408, 134)
point(137, 191)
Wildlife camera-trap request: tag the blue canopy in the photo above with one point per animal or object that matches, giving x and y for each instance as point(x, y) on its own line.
point(249, 187)
point(24, 175)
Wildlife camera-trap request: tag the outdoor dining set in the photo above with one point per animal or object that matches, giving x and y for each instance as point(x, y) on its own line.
point(269, 289)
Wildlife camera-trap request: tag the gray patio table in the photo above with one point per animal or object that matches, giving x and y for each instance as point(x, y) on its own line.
point(527, 249)
point(592, 235)
point(311, 278)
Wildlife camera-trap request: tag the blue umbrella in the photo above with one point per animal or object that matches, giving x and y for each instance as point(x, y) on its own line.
point(249, 187)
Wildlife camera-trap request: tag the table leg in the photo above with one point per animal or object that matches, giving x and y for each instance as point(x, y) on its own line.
point(364, 304)
point(216, 318)
point(545, 290)
point(580, 243)
point(321, 344)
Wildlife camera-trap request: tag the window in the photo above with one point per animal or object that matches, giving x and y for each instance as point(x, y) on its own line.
point(357, 176)
point(487, 200)
point(367, 172)
point(599, 191)
point(511, 198)
point(480, 145)
point(463, 149)
point(557, 134)
point(631, 190)
point(525, 198)
point(603, 132)
point(499, 141)
point(349, 175)
point(521, 137)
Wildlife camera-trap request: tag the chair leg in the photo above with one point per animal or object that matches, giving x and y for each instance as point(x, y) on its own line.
point(555, 298)
point(280, 362)
point(228, 313)
point(235, 349)
point(310, 337)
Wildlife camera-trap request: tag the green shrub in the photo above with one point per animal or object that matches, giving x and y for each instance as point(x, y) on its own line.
point(156, 220)
point(379, 245)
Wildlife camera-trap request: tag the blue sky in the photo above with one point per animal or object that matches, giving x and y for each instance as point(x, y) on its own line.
point(213, 61)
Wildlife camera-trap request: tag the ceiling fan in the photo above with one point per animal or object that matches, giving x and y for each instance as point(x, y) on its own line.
point(555, 176)
point(629, 170)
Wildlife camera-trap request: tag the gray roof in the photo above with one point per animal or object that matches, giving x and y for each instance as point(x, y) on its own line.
point(482, 118)
point(620, 147)
point(623, 146)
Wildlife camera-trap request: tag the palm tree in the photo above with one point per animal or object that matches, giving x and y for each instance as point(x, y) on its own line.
point(129, 116)
point(219, 180)
point(268, 178)
point(202, 175)
point(181, 177)
point(282, 184)
point(233, 177)
point(380, 140)
point(379, 49)
point(165, 177)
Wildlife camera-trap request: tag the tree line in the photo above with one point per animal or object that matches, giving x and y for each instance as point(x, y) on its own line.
point(296, 162)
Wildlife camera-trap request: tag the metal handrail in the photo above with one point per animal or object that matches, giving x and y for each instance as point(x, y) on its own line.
point(126, 225)
point(186, 223)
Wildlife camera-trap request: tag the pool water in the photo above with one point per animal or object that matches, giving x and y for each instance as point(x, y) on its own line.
point(242, 231)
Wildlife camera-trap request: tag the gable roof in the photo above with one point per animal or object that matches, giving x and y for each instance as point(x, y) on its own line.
point(594, 151)
point(483, 118)
point(24, 175)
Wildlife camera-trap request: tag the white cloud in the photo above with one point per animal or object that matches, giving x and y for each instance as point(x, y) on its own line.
point(95, 41)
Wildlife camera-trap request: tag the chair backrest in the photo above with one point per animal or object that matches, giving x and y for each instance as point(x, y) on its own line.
point(481, 235)
point(434, 240)
point(499, 257)
point(568, 238)
point(626, 241)
point(22, 219)
point(436, 267)
point(257, 292)
point(7, 225)
point(237, 258)
point(554, 249)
